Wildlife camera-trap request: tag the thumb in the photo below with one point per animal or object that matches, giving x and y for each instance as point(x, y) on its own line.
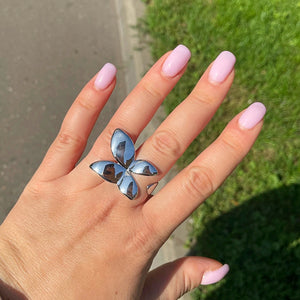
point(172, 280)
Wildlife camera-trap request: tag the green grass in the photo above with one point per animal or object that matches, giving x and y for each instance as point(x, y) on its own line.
point(251, 221)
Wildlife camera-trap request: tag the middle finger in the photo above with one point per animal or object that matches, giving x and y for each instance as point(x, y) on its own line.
point(136, 110)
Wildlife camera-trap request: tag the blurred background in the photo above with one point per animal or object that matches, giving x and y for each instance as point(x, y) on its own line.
point(50, 49)
point(252, 221)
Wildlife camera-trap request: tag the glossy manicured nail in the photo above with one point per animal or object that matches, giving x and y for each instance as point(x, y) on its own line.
point(221, 67)
point(176, 61)
point(105, 76)
point(252, 115)
point(210, 277)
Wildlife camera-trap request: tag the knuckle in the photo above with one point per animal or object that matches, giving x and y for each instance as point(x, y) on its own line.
point(151, 91)
point(201, 98)
point(199, 182)
point(190, 272)
point(166, 143)
point(233, 142)
point(35, 190)
point(84, 101)
point(68, 139)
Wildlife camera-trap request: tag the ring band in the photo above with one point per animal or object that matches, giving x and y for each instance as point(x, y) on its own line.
point(122, 148)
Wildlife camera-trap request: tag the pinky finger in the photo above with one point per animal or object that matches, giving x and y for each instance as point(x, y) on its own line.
point(71, 140)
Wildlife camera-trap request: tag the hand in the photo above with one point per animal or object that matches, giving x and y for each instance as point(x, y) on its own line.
point(73, 235)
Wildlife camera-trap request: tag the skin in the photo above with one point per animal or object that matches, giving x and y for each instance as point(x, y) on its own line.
point(73, 236)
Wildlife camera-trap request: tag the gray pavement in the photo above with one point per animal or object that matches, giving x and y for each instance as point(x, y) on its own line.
point(48, 51)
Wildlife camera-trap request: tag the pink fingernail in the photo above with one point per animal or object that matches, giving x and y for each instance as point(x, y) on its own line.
point(221, 67)
point(176, 61)
point(252, 115)
point(210, 277)
point(105, 76)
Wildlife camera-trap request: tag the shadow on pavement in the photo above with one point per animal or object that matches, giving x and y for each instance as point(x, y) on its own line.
point(260, 241)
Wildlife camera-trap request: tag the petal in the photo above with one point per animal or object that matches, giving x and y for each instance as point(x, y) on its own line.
point(128, 186)
point(142, 167)
point(108, 170)
point(122, 148)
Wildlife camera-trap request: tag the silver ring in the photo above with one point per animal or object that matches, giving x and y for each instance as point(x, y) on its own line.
point(119, 172)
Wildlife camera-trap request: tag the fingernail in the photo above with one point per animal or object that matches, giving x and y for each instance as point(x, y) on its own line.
point(252, 115)
point(105, 76)
point(210, 277)
point(176, 61)
point(221, 67)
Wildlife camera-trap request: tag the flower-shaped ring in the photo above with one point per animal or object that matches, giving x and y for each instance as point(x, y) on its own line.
point(119, 172)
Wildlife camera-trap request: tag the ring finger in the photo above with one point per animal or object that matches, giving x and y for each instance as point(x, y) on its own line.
point(182, 126)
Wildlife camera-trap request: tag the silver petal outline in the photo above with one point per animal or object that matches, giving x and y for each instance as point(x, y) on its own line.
point(108, 170)
point(122, 148)
point(128, 186)
point(151, 187)
point(142, 167)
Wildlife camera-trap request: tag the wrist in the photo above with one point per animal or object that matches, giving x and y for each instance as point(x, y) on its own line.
point(10, 287)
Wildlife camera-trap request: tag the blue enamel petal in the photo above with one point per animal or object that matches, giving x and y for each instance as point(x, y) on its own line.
point(122, 148)
point(108, 170)
point(128, 186)
point(142, 167)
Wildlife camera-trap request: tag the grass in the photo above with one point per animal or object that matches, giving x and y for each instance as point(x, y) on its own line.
point(252, 221)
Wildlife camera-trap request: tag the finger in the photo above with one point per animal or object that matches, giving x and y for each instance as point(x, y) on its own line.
point(137, 109)
point(205, 174)
point(173, 280)
point(71, 140)
point(189, 118)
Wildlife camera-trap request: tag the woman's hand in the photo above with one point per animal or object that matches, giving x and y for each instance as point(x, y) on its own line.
point(72, 235)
